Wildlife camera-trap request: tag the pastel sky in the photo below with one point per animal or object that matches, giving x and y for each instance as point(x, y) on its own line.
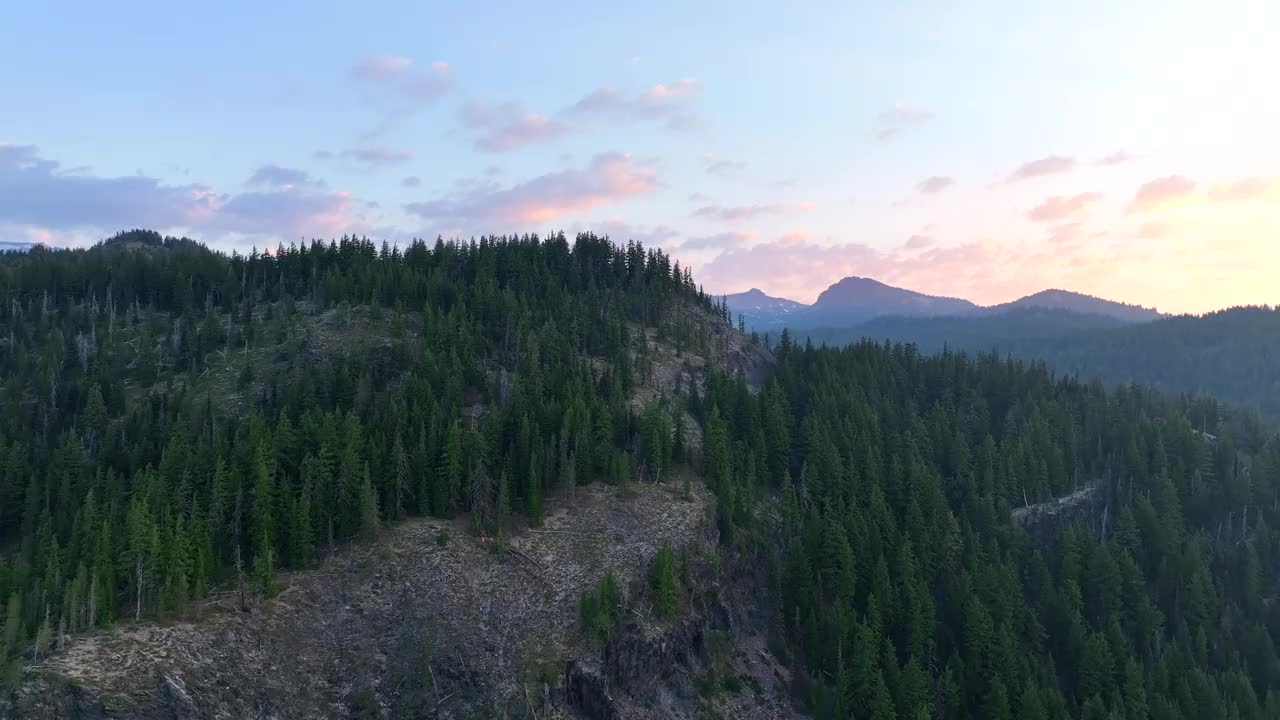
point(985, 149)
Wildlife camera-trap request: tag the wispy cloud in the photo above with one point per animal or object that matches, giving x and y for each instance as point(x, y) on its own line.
point(664, 103)
point(1161, 192)
point(719, 241)
point(400, 77)
point(1119, 157)
point(935, 184)
point(397, 87)
point(608, 178)
point(367, 158)
point(1051, 165)
point(276, 176)
point(723, 168)
point(740, 213)
point(1249, 188)
point(1061, 207)
point(503, 127)
point(919, 241)
point(412, 181)
point(899, 119)
point(621, 232)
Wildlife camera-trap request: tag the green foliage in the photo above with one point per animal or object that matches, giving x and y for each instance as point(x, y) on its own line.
point(905, 584)
point(664, 581)
point(174, 419)
point(600, 609)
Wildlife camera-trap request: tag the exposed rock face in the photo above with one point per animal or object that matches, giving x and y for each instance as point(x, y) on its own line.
point(1086, 506)
point(414, 625)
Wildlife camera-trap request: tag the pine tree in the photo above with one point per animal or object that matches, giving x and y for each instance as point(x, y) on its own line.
point(534, 501)
point(663, 580)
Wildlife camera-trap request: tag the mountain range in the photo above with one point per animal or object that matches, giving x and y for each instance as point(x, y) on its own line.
point(856, 300)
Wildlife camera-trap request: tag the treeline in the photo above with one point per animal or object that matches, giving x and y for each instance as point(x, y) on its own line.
point(374, 383)
point(903, 590)
point(1229, 355)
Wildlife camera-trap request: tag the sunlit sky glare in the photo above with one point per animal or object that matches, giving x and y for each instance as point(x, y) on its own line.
point(985, 150)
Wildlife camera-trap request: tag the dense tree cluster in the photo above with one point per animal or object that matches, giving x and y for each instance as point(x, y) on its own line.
point(461, 378)
point(1230, 354)
point(907, 591)
point(174, 420)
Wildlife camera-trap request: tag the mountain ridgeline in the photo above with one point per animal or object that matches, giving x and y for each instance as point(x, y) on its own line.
point(1229, 355)
point(855, 300)
point(176, 422)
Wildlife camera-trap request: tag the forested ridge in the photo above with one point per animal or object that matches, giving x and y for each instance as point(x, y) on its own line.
point(907, 592)
point(1232, 355)
point(173, 419)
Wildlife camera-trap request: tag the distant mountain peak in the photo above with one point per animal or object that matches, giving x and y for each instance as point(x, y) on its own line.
point(1058, 299)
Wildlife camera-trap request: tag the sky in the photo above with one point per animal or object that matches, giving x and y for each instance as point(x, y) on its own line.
point(985, 150)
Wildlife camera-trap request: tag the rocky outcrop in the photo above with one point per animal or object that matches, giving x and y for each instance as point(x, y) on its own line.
point(1086, 506)
point(427, 622)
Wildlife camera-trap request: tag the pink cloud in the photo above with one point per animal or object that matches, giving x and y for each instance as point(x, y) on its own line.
point(397, 76)
point(1061, 207)
point(919, 242)
point(1155, 230)
point(1051, 165)
point(1250, 188)
point(1066, 233)
point(935, 184)
point(984, 270)
point(665, 103)
point(1118, 157)
point(507, 126)
point(608, 178)
point(1162, 191)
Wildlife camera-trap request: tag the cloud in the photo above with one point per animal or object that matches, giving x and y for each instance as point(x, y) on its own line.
point(35, 191)
point(1155, 230)
point(508, 126)
point(935, 184)
point(1051, 165)
point(664, 103)
point(608, 178)
point(36, 194)
point(289, 213)
point(1060, 207)
point(369, 158)
point(723, 168)
point(986, 270)
point(719, 241)
point(276, 176)
point(621, 232)
point(1161, 192)
point(898, 119)
point(700, 197)
point(739, 213)
point(1249, 188)
point(1066, 233)
point(919, 242)
point(1118, 157)
point(398, 77)
point(412, 181)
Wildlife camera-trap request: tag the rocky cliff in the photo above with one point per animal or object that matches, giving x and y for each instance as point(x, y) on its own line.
point(429, 621)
